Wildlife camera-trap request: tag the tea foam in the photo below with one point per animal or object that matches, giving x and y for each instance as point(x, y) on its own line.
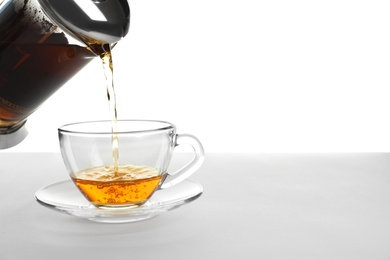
point(125, 172)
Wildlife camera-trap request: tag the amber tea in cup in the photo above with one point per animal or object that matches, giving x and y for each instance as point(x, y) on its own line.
point(125, 167)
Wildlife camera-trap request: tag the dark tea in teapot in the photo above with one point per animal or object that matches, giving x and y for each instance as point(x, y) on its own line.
point(36, 59)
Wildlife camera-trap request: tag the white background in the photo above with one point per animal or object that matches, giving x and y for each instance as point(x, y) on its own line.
point(245, 76)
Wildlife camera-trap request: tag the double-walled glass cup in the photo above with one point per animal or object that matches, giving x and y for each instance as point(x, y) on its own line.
point(124, 167)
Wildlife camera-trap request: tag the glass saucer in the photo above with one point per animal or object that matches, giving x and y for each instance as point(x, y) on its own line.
point(65, 197)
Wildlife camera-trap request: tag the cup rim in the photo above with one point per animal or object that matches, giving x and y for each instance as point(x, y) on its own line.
point(70, 128)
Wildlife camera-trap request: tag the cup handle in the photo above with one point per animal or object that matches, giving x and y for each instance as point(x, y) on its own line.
point(183, 173)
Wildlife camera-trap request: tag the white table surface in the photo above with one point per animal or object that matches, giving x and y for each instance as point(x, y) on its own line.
point(264, 206)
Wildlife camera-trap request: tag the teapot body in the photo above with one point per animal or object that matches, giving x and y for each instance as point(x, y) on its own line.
point(37, 56)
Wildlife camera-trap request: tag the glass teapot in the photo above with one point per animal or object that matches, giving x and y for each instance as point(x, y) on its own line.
point(44, 43)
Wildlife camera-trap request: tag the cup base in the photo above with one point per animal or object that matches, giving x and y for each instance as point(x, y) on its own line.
point(119, 207)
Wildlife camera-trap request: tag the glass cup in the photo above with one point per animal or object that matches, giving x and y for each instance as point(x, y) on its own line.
point(125, 167)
